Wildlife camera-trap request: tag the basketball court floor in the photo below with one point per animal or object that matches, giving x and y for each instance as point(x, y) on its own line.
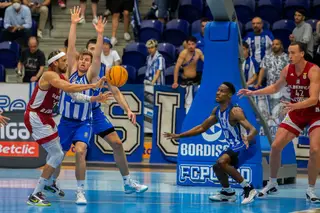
point(104, 194)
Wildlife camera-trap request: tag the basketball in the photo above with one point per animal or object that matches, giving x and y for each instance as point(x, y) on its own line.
point(117, 76)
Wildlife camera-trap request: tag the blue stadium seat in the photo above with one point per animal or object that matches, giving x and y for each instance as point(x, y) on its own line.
point(245, 10)
point(135, 54)
point(34, 27)
point(290, 7)
point(196, 27)
point(1, 23)
point(169, 75)
point(177, 30)
point(282, 29)
point(269, 10)
point(132, 74)
point(2, 73)
point(168, 51)
point(190, 10)
point(150, 29)
point(9, 54)
point(141, 75)
point(313, 23)
point(316, 9)
point(248, 26)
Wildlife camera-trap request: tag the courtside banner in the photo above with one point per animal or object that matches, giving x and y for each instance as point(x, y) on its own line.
point(17, 148)
point(14, 96)
point(168, 115)
point(132, 136)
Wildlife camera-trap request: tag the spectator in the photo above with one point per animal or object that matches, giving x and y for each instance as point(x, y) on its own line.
point(32, 61)
point(62, 4)
point(162, 10)
point(17, 23)
point(250, 66)
point(155, 65)
point(303, 33)
point(3, 6)
point(116, 7)
point(109, 57)
point(317, 36)
point(83, 6)
point(200, 36)
point(260, 41)
point(39, 7)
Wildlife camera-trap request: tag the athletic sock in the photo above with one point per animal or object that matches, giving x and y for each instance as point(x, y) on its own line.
point(126, 179)
point(227, 189)
point(244, 184)
point(273, 180)
point(80, 184)
point(41, 183)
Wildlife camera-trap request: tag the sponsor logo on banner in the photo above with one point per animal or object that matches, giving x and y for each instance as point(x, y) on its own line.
point(72, 151)
point(14, 96)
point(19, 149)
point(147, 150)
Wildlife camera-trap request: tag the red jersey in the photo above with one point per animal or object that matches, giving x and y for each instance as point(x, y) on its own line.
point(44, 101)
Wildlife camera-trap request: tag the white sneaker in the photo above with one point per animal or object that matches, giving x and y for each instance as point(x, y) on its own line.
point(270, 188)
point(127, 36)
point(82, 20)
point(81, 199)
point(39, 33)
point(311, 196)
point(95, 20)
point(223, 196)
point(107, 13)
point(249, 193)
point(134, 186)
point(114, 41)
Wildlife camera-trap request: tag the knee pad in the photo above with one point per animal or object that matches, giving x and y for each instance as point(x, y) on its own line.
point(55, 153)
point(55, 159)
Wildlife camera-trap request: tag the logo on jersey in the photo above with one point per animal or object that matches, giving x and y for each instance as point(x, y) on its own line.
point(304, 76)
point(298, 81)
point(86, 134)
point(214, 134)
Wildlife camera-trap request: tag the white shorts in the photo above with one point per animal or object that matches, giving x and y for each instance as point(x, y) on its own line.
point(42, 126)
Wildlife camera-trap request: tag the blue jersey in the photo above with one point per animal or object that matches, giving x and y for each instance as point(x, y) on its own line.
point(73, 110)
point(97, 91)
point(231, 133)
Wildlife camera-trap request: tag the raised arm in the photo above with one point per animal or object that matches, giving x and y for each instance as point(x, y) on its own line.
point(119, 98)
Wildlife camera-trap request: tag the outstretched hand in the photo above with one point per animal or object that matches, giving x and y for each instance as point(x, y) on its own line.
point(3, 120)
point(170, 136)
point(100, 24)
point(245, 92)
point(75, 14)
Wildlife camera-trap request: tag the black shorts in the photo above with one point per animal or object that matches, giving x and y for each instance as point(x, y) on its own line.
point(118, 6)
point(93, 1)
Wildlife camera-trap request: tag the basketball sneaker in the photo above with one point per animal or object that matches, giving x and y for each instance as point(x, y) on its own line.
point(223, 196)
point(81, 199)
point(38, 199)
point(133, 186)
point(270, 188)
point(54, 189)
point(249, 193)
point(311, 196)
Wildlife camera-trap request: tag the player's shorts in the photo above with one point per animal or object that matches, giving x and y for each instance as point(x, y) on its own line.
point(101, 125)
point(41, 126)
point(118, 6)
point(295, 121)
point(240, 154)
point(72, 131)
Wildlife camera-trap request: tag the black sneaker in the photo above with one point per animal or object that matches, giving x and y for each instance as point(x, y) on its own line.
point(38, 200)
point(54, 189)
point(249, 193)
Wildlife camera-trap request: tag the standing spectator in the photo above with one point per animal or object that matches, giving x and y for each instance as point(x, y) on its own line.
point(260, 40)
point(163, 10)
point(250, 66)
point(303, 33)
point(155, 65)
point(116, 7)
point(83, 6)
point(109, 57)
point(39, 7)
point(17, 23)
point(32, 61)
point(3, 6)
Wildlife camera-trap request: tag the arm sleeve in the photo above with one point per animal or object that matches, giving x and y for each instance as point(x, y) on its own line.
point(79, 97)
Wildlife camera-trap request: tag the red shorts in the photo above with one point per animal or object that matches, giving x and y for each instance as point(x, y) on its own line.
point(42, 127)
point(295, 121)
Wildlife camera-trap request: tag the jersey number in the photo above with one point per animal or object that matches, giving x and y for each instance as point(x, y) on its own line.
point(299, 93)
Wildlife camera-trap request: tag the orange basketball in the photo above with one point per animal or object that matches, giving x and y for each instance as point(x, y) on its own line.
point(117, 76)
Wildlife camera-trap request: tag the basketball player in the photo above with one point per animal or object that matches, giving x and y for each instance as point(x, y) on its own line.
point(75, 126)
point(303, 80)
point(39, 122)
point(188, 59)
point(241, 146)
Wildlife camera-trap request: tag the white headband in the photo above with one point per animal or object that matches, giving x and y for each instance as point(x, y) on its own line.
point(56, 57)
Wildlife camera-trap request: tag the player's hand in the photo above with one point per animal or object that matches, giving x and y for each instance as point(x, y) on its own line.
point(245, 141)
point(245, 92)
point(100, 83)
point(132, 117)
point(75, 14)
point(175, 85)
point(100, 24)
point(288, 106)
point(102, 97)
point(170, 136)
point(3, 120)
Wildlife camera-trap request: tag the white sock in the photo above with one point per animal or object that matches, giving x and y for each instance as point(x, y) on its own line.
point(41, 183)
point(244, 184)
point(273, 180)
point(228, 189)
point(80, 184)
point(126, 179)
point(311, 188)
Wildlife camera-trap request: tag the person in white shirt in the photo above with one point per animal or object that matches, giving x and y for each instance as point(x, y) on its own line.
point(109, 57)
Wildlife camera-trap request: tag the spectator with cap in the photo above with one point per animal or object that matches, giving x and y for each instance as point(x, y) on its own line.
point(155, 65)
point(109, 57)
point(303, 33)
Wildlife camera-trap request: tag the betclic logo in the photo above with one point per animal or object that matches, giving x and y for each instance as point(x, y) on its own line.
point(19, 149)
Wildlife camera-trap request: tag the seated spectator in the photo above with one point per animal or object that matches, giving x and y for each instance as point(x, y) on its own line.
point(32, 61)
point(17, 23)
point(39, 7)
point(109, 57)
point(83, 6)
point(3, 6)
point(155, 65)
point(303, 33)
point(250, 66)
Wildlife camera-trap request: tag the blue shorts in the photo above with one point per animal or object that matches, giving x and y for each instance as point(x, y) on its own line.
point(240, 154)
point(71, 131)
point(100, 124)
